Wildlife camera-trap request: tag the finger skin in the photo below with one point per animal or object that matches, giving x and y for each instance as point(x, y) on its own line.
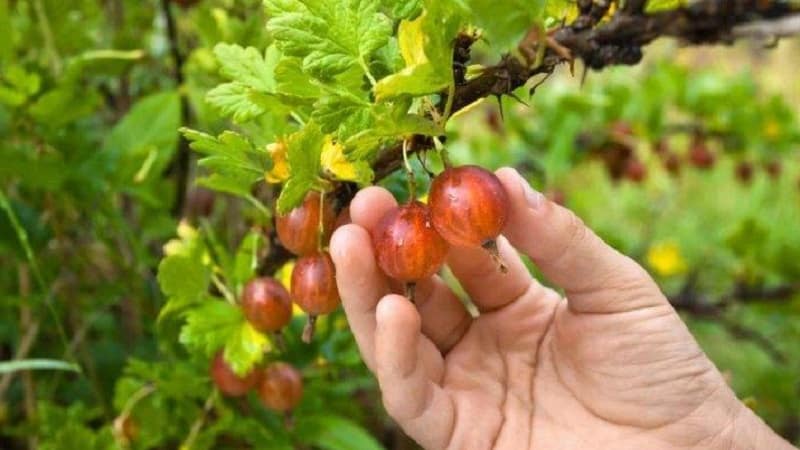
point(595, 277)
point(361, 283)
point(480, 276)
point(417, 402)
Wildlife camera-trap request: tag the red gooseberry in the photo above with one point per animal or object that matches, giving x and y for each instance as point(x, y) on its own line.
point(314, 288)
point(228, 382)
point(299, 230)
point(266, 304)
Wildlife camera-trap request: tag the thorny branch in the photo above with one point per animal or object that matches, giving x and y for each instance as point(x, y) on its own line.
point(598, 43)
point(691, 301)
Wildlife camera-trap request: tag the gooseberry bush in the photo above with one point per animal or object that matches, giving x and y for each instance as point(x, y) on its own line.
point(172, 173)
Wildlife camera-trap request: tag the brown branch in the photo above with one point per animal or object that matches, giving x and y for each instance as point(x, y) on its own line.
point(181, 164)
point(700, 306)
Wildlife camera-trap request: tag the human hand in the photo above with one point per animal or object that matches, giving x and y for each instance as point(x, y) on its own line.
point(610, 366)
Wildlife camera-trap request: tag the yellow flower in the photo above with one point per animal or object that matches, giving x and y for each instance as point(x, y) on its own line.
point(772, 129)
point(280, 164)
point(665, 259)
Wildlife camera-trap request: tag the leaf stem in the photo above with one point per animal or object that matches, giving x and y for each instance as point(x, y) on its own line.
point(47, 36)
point(224, 289)
point(412, 182)
point(198, 424)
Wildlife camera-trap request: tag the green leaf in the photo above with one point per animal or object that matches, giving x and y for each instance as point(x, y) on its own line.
point(184, 276)
point(253, 85)
point(404, 9)
point(304, 151)
point(235, 163)
point(330, 37)
point(662, 5)
point(505, 23)
point(246, 259)
point(239, 101)
point(292, 81)
point(5, 37)
point(332, 432)
point(245, 348)
point(248, 66)
point(210, 326)
point(37, 364)
point(152, 123)
point(426, 46)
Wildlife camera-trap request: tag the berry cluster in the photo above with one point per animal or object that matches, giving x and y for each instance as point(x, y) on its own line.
point(468, 207)
point(279, 385)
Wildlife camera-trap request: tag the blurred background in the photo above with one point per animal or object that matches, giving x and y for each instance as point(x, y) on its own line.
point(689, 162)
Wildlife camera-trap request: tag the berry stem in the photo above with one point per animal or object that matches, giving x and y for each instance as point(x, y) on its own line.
point(411, 291)
point(308, 330)
point(321, 224)
point(442, 153)
point(412, 182)
point(288, 420)
point(491, 247)
point(280, 342)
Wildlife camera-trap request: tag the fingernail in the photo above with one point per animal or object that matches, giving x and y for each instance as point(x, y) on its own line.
point(534, 198)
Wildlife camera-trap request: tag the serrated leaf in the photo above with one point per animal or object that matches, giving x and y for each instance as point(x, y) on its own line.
point(235, 163)
point(246, 259)
point(245, 348)
point(336, 164)
point(292, 81)
point(209, 326)
point(404, 9)
point(252, 89)
point(505, 23)
point(426, 46)
point(329, 37)
point(304, 149)
point(238, 101)
point(248, 66)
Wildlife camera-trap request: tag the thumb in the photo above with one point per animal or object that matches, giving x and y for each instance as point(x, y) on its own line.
point(595, 277)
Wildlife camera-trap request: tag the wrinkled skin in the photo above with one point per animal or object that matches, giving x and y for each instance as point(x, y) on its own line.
point(610, 365)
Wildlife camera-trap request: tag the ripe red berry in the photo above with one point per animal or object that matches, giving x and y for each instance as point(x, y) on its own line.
point(469, 206)
point(672, 163)
point(298, 230)
point(744, 171)
point(774, 169)
point(635, 171)
point(266, 304)
point(700, 155)
point(314, 288)
point(226, 379)
point(407, 246)
point(280, 387)
point(621, 130)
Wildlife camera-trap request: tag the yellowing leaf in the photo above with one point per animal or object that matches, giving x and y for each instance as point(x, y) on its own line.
point(665, 259)
point(335, 163)
point(280, 165)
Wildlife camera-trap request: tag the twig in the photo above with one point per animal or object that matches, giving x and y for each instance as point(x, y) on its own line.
point(47, 36)
point(27, 323)
point(198, 424)
point(181, 165)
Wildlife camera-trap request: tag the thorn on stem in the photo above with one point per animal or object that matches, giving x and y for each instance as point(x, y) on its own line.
point(308, 330)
